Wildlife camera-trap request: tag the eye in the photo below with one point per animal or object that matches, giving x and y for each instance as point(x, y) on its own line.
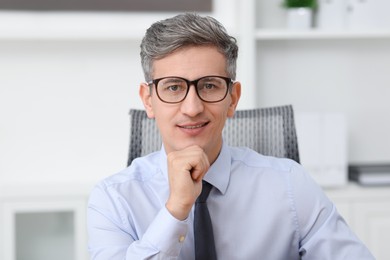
point(172, 85)
point(173, 88)
point(209, 86)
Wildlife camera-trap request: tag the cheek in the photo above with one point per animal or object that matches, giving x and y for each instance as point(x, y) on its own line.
point(220, 120)
point(163, 118)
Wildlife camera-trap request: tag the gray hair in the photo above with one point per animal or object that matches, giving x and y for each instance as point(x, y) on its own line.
point(166, 36)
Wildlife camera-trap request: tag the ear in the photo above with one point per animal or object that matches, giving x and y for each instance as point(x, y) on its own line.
point(235, 97)
point(146, 97)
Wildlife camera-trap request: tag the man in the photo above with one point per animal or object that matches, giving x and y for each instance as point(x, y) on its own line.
point(260, 207)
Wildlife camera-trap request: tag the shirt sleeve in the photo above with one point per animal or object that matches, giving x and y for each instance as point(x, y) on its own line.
point(334, 240)
point(110, 239)
point(323, 232)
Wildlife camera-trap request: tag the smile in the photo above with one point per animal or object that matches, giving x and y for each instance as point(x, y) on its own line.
point(194, 126)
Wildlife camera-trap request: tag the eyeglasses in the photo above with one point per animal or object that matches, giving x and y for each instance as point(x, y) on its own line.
point(209, 89)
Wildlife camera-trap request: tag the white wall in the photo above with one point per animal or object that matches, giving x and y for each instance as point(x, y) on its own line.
point(63, 108)
point(333, 76)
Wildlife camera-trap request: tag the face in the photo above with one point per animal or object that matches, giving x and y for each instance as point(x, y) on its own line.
point(192, 121)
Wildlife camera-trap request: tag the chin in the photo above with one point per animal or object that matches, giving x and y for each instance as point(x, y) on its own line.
point(181, 144)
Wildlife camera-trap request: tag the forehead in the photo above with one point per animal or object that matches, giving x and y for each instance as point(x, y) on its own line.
point(191, 62)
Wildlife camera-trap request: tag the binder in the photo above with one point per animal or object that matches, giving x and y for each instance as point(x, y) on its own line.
point(370, 174)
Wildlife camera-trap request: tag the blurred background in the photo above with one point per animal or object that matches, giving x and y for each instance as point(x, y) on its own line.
point(70, 72)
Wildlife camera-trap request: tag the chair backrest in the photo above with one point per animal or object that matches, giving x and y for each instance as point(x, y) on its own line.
point(269, 131)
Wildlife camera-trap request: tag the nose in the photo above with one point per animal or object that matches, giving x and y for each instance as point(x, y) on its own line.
point(192, 105)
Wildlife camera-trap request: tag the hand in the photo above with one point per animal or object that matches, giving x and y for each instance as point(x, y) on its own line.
point(186, 169)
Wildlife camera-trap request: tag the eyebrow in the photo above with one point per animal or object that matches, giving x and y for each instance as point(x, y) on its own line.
point(173, 79)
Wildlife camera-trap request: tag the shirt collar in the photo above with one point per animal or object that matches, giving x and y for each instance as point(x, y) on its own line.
point(218, 174)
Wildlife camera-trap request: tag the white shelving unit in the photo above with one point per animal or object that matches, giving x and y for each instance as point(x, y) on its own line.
point(324, 71)
point(264, 35)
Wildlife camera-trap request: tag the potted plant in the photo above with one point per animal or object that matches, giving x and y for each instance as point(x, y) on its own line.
point(300, 13)
point(300, 4)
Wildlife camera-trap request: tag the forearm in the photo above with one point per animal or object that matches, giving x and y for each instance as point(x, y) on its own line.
point(161, 240)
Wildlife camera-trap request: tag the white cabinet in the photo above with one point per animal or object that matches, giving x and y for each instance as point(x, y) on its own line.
point(367, 211)
point(43, 223)
point(372, 223)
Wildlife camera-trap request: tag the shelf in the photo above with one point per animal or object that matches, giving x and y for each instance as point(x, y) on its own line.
point(263, 34)
point(68, 25)
point(72, 26)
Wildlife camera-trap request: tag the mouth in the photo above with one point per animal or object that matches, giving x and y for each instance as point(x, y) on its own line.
point(193, 126)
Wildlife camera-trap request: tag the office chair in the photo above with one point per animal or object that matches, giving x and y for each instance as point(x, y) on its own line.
point(269, 131)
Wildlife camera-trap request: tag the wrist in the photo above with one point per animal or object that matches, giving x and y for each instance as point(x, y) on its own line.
point(178, 211)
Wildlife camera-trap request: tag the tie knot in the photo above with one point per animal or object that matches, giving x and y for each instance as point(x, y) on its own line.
point(206, 188)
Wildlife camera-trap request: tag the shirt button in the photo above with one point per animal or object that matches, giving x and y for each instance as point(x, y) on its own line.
point(181, 239)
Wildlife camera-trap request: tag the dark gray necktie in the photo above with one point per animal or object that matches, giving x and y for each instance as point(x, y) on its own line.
point(203, 229)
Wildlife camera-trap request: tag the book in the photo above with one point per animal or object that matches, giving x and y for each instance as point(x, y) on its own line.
point(370, 174)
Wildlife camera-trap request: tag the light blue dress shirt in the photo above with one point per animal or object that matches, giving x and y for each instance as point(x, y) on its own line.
point(261, 208)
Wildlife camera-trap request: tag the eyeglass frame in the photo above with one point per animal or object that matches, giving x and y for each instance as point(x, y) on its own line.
point(229, 83)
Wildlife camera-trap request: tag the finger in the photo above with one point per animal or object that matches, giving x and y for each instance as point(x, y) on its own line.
point(200, 167)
